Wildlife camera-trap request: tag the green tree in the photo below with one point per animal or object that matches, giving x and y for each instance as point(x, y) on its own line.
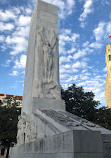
point(80, 103)
point(103, 117)
point(1, 102)
point(8, 125)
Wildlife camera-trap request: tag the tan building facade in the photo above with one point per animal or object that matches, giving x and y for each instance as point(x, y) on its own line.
point(108, 77)
point(10, 100)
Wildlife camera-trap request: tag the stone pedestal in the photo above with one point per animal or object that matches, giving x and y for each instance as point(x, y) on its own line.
point(106, 139)
point(72, 144)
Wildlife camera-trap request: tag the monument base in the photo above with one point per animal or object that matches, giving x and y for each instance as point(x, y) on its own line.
point(71, 144)
point(60, 134)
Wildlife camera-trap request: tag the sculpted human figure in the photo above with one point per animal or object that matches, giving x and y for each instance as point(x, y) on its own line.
point(46, 84)
point(38, 73)
point(48, 62)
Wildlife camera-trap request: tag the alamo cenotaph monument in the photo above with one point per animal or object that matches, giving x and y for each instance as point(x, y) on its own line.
point(45, 128)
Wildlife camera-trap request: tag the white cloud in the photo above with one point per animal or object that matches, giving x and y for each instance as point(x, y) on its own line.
point(70, 79)
point(92, 82)
point(108, 28)
point(15, 10)
point(65, 7)
point(8, 62)
point(28, 10)
point(64, 38)
point(79, 64)
point(87, 10)
point(6, 26)
point(105, 69)
point(96, 45)
point(22, 32)
point(18, 44)
point(2, 38)
point(70, 4)
point(64, 59)
point(21, 63)
point(67, 31)
point(13, 40)
point(24, 20)
point(14, 73)
point(65, 86)
point(65, 70)
point(85, 59)
point(3, 48)
point(99, 32)
point(63, 76)
point(67, 66)
point(74, 37)
point(72, 50)
point(81, 53)
point(7, 15)
point(67, 37)
point(85, 44)
point(17, 40)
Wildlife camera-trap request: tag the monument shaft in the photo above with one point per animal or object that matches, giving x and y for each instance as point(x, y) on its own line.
point(42, 67)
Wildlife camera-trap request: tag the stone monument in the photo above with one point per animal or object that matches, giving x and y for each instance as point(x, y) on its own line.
point(41, 85)
point(45, 129)
point(42, 68)
point(108, 77)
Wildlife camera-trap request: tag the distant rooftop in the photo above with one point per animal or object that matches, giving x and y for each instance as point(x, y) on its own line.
point(8, 95)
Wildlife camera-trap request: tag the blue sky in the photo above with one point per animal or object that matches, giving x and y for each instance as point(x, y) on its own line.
point(84, 26)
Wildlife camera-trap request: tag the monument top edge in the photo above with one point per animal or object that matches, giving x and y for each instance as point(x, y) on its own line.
point(47, 3)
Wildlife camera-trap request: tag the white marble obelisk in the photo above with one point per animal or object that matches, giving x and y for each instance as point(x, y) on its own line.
point(41, 84)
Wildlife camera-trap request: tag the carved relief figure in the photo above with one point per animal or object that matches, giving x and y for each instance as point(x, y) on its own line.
point(48, 62)
point(46, 80)
point(26, 129)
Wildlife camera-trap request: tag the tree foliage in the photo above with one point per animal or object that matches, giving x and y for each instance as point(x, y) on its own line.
point(82, 103)
point(79, 102)
point(8, 125)
point(103, 117)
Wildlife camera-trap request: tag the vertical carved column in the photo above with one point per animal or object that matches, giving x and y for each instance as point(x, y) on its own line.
point(42, 67)
point(46, 84)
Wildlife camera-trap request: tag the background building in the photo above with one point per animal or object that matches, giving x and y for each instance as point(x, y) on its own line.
point(10, 100)
point(108, 77)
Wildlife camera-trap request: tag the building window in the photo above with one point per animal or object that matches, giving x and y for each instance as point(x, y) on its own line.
point(18, 103)
point(109, 57)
